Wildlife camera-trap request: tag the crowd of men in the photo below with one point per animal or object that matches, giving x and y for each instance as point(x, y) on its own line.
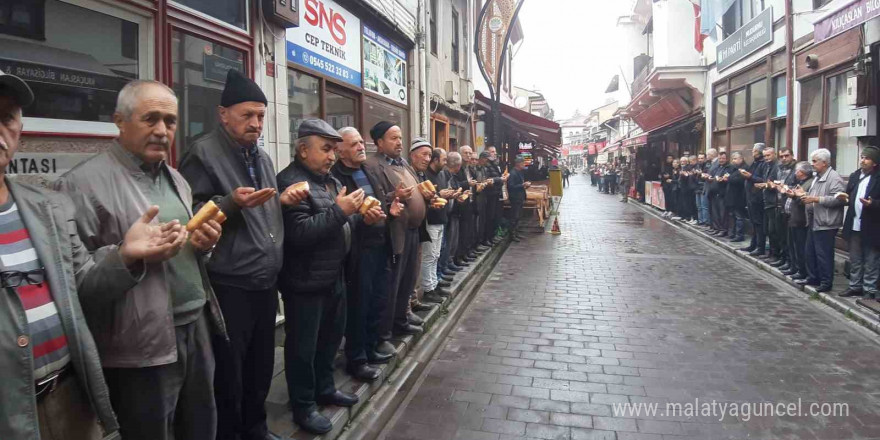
point(612, 179)
point(795, 210)
point(125, 316)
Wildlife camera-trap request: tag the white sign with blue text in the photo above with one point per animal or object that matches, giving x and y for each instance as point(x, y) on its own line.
point(327, 40)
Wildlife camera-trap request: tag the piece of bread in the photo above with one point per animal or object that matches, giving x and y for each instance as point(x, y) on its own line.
point(300, 185)
point(369, 203)
point(208, 211)
point(220, 217)
point(428, 186)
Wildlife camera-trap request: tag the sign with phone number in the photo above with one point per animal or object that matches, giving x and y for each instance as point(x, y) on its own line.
point(304, 57)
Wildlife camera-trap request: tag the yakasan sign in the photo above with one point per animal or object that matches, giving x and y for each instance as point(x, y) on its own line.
point(328, 40)
point(845, 19)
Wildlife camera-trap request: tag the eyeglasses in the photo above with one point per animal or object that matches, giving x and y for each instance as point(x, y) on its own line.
point(14, 278)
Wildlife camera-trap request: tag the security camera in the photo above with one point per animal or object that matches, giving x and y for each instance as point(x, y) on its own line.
point(812, 61)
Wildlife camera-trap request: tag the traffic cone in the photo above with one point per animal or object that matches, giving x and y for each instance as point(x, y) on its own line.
point(555, 229)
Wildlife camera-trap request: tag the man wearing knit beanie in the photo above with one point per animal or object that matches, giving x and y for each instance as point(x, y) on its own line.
point(862, 226)
point(227, 167)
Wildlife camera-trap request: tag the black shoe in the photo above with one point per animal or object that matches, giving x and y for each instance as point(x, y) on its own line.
point(462, 263)
point(482, 248)
point(448, 273)
point(823, 288)
point(444, 283)
point(364, 372)
point(785, 267)
point(454, 268)
point(431, 297)
point(408, 329)
point(442, 292)
point(790, 272)
point(447, 278)
point(737, 239)
point(807, 282)
point(313, 422)
point(338, 398)
point(375, 357)
point(722, 234)
point(421, 307)
point(777, 263)
point(385, 347)
point(747, 249)
point(471, 257)
point(756, 253)
point(851, 292)
point(414, 319)
point(798, 276)
point(516, 238)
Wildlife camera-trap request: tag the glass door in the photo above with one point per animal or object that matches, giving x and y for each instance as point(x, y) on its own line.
point(342, 108)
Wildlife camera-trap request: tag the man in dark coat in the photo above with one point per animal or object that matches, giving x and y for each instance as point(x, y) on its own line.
point(797, 220)
point(755, 174)
point(735, 199)
point(467, 175)
point(368, 267)
point(862, 226)
point(516, 189)
point(446, 268)
point(784, 174)
point(494, 204)
point(318, 237)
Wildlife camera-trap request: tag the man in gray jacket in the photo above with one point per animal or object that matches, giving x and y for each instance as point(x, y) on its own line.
point(44, 265)
point(824, 216)
point(154, 337)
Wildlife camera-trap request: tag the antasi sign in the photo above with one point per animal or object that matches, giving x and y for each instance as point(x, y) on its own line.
point(328, 40)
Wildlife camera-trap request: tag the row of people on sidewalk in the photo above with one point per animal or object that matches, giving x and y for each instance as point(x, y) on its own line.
point(141, 300)
point(795, 210)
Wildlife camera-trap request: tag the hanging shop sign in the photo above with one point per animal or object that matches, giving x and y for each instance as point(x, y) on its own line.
point(754, 35)
point(384, 67)
point(845, 19)
point(57, 75)
point(215, 67)
point(328, 40)
point(632, 142)
point(49, 164)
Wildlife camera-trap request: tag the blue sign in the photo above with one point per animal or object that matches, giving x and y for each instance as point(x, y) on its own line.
point(781, 106)
point(304, 57)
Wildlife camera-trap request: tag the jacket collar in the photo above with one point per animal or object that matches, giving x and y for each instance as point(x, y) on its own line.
point(824, 177)
point(131, 162)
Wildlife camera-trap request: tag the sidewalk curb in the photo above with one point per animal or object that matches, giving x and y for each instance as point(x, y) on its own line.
point(854, 313)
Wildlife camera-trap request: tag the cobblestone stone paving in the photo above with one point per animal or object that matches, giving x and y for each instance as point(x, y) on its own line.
point(625, 309)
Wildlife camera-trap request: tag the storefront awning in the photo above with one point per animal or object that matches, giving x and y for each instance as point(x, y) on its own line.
point(36, 63)
point(843, 15)
point(543, 131)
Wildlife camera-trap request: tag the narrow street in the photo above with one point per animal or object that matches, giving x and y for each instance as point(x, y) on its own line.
point(623, 308)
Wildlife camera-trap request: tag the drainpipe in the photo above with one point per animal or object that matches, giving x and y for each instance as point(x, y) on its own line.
point(423, 69)
point(789, 77)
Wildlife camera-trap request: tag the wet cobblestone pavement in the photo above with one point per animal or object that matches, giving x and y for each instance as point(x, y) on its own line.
point(625, 309)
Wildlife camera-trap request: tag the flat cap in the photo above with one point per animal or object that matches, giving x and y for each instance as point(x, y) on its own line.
point(11, 85)
point(485, 155)
point(318, 127)
point(419, 143)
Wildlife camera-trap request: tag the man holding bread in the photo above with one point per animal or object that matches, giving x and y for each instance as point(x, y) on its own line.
point(368, 268)
point(226, 167)
point(438, 217)
point(154, 339)
point(318, 235)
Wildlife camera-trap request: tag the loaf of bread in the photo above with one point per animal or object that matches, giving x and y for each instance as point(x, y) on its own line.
point(369, 203)
point(209, 210)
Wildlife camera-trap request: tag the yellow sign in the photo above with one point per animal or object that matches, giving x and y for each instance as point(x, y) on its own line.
point(481, 142)
point(556, 183)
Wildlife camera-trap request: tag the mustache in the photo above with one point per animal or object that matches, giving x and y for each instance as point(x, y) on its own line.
point(159, 141)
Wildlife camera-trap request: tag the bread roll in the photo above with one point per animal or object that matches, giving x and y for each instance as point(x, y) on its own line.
point(220, 217)
point(300, 185)
point(208, 211)
point(369, 203)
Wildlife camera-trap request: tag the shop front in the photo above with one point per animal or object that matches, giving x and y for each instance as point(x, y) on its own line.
point(522, 128)
point(348, 68)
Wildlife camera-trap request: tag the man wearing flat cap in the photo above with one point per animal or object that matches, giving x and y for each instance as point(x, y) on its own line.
point(318, 238)
point(862, 226)
point(397, 180)
point(227, 167)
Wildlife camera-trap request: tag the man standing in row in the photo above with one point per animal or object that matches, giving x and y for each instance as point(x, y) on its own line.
point(154, 338)
point(862, 226)
point(227, 167)
point(437, 221)
point(467, 223)
point(516, 189)
point(755, 196)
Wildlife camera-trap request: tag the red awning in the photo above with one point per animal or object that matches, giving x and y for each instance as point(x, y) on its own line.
point(543, 131)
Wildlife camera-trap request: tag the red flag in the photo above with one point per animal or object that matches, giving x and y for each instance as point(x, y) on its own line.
point(698, 37)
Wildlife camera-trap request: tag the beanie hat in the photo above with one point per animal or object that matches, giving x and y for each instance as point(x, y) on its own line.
point(380, 129)
point(240, 88)
point(419, 143)
point(872, 153)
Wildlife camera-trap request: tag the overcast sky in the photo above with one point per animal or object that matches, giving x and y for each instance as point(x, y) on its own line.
point(568, 51)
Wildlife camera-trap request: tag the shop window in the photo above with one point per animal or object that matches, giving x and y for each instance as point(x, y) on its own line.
point(233, 12)
point(455, 42)
point(811, 101)
point(779, 135)
point(375, 111)
point(818, 4)
point(454, 132)
point(719, 141)
point(199, 70)
point(75, 71)
point(739, 107)
point(23, 18)
point(758, 101)
point(845, 150)
point(341, 109)
point(721, 112)
point(779, 99)
point(743, 139)
point(303, 99)
point(838, 109)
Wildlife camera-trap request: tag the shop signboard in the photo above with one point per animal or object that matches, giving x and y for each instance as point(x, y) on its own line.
point(845, 19)
point(327, 40)
point(384, 67)
point(602, 159)
point(658, 200)
point(46, 164)
point(63, 76)
point(215, 67)
point(752, 36)
point(647, 193)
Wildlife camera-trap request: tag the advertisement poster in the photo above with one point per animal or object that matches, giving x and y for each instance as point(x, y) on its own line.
point(657, 198)
point(647, 193)
point(384, 67)
point(328, 40)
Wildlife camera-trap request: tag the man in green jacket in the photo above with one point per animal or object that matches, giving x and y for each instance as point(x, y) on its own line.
point(52, 385)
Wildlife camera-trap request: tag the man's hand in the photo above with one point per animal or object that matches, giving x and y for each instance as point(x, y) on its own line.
point(807, 200)
point(489, 182)
point(844, 197)
point(447, 193)
point(799, 192)
point(504, 178)
point(526, 185)
point(402, 193)
point(745, 173)
point(472, 182)
point(293, 197)
point(760, 185)
point(350, 202)
point(149, 242)
point(866, 202)
point(396, 208)
point(247, 197)
point(374, 215)
point(427, 194)
point(206, 236)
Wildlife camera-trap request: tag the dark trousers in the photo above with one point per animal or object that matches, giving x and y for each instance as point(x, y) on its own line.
point(481, 216)
point(465, 235)
point(797, 243)
point(367, 303)
point(450, 244)
point(756, 215)
point(314, 324)
point(564, 181)
point(718, 216)
point(173, 401)
point(667, 197)
point(516, 205)
point(489, 220)
point(66, 412)
point(404, 275)
point(737, 216)
point(773, 231)
point(820, 256)
point(244, 363)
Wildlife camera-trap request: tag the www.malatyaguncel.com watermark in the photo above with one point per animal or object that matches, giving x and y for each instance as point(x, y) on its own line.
point(743, 411)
